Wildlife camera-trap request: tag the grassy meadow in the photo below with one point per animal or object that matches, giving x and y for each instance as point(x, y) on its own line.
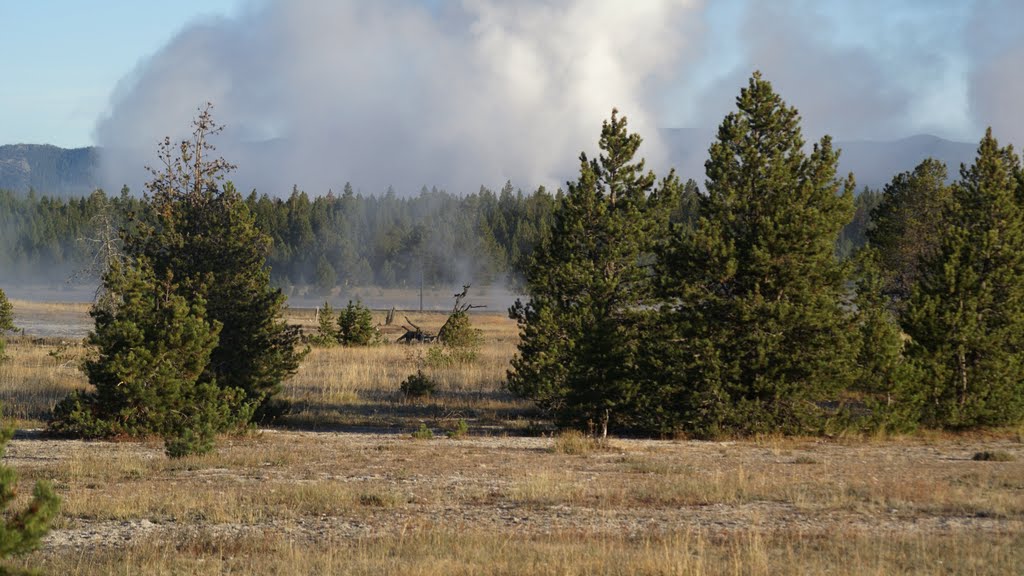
point(341, 486)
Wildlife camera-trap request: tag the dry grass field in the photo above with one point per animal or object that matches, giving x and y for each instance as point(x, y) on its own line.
point(341, 486)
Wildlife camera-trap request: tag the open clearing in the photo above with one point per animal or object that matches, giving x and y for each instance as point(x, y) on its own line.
point(340, 487)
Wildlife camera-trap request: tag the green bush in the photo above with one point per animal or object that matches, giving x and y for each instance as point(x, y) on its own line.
point(438, 357)
point(459, 342)
point(418, 385)
point(152, 349)
point(458, 332)
point(460, 430)
point(423, 433)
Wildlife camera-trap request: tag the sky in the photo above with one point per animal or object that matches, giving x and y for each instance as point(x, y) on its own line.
point(63, 59)
point(460, 93)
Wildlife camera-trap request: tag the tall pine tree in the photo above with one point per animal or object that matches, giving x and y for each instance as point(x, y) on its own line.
point(590, 287)
point(755, 291)
point(966, 314)
point(202, 233)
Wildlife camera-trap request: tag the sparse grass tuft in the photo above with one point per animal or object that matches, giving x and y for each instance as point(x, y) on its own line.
point(576, 443)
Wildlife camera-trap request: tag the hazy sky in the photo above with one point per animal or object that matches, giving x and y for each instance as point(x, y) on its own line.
point(467, 92)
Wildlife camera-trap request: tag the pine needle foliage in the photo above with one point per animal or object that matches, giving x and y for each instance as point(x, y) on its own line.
point(966, 314)
point(200, 231)
point(21, 531)
point(590, 288)
point(6, 320)
point(151, 350)
point(355, 325)
point(755, 292)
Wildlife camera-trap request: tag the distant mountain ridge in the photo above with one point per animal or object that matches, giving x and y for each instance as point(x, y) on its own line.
point(48, 169)
point(65, 172)
point(873, 162)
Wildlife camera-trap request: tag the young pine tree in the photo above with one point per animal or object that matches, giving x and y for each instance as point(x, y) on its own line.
point(755, 291)
point(355, 325)
point(327, 327)
point(21, 531)
point(6, 320)
point(966, 313)
point(152, 347)
point(590, 288)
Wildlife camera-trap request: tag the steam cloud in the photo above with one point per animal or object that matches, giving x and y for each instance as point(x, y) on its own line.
point(402, 93)
point(409, 93)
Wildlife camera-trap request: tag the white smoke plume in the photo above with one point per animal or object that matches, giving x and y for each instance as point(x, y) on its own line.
point(402, 93)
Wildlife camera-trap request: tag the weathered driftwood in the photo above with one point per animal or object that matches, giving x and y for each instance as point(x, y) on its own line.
point(415, 334)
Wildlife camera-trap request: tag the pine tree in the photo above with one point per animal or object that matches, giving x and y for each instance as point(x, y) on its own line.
point(755, 291)
point(20, 532)
point(966, 314)
point(906, 224)
point(152, 347)
point(6, 320)
point(590, 287)
point(327, 326)
point(202, 233)
point(6, 313)
point(355, 325)
point(889, 386)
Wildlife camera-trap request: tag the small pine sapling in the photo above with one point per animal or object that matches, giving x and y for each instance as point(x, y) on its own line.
point(21, 531)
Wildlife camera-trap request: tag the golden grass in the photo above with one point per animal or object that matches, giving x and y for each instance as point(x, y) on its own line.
point(307, 499)
point(340, 386)
point(453, 552)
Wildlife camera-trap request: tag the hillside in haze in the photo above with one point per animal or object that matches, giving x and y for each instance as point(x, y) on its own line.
point(48, 169)
point(873, 162)
point(62, 172)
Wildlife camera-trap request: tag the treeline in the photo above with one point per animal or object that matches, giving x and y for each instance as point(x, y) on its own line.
point(345, 239)
point(437, 237)
point(741, 319)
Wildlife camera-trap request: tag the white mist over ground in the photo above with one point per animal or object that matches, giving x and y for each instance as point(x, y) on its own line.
point(411, 93)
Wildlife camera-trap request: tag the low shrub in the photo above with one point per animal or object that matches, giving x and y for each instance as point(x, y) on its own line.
point(423, 433)
point(993, 456)
point(460, 430)
point(418, 385)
